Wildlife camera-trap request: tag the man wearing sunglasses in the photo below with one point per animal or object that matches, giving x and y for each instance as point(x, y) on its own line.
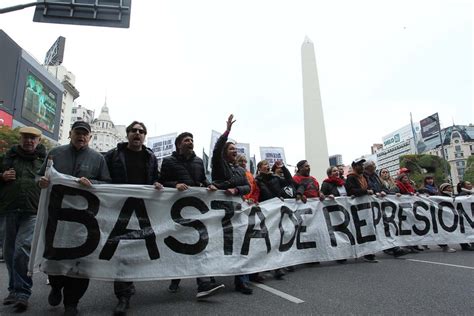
point(131, 163)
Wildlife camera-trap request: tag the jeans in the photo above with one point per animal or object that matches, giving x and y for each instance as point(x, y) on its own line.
point(19, 228)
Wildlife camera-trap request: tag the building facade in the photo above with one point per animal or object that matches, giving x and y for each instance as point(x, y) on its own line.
point(398, 143)
point(70, 94)
point(335, 160)
point(80, 113)
point(105, 134)
point(458, 143)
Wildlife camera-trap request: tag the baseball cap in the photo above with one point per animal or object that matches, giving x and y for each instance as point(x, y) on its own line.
point(358, 161)
point(30, 130)
point(81, 124)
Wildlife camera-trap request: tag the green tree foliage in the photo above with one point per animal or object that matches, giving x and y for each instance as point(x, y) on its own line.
point(421, 166)
point(469, 173)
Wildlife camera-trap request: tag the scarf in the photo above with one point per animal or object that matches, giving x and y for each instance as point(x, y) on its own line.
point(335, 180)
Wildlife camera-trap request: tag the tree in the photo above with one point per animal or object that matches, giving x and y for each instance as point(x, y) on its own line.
point(469, 173)
point(421, 166)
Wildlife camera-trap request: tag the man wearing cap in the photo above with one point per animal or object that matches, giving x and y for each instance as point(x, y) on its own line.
point(182, 170)
point(19, 197)
point(131, 163)
point(357, 185)
point(78, 160)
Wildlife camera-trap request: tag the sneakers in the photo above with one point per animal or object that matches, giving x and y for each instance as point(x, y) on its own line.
point(278, 273)
point(448, 249)
point(243, 288)
point(370, 259)
point(174, 287)
point(122, 306)
point(398, 252)
point(207, 289)
point(467, 247)
point(256, 278)
point(55, 297)
point(21, 305)
point(10, 299)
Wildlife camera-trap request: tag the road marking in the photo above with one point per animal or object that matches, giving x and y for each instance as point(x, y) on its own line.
point(278, 293)
point(441, 264)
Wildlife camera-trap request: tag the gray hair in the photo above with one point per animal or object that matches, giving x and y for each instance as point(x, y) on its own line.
point(369, 163)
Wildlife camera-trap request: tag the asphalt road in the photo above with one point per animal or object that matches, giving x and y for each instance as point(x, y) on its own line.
point(427, 283)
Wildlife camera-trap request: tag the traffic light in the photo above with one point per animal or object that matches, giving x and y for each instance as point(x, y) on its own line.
point(110, 13)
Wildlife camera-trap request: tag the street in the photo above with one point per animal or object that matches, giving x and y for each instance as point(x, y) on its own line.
point(428, 283)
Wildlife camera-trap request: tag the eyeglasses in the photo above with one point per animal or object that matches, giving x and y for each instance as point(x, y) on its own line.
point(139, 130)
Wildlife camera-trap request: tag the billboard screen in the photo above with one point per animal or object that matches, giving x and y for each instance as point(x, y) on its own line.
point(430, 126)
point(40, 103)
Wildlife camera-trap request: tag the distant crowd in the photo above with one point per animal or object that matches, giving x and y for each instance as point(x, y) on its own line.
point(24, 174)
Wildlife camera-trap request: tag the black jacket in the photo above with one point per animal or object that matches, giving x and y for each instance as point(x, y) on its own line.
point(115, 159)
point(224, 174)
point(177, 169)
point(353, 186)
point(272, 186)
point(328, 188)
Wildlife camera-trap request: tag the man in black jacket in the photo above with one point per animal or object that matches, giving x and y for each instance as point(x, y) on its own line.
point(181, 170)
point(131, 163)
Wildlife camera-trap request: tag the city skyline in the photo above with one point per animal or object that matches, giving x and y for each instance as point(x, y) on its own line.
point(409, 57)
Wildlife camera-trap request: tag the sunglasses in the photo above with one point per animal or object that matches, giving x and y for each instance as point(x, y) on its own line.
point(139, 130)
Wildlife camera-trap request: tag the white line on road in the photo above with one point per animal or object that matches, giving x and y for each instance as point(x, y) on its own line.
point(278, 293)
point(441, 264)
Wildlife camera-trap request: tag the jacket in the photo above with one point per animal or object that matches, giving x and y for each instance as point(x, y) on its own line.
point(84, 162)
point(226, 175)
point(354, 185)
point(115, 159)
point(272, 186)
point(22, 194)
point(179, 169)
point(307, 186)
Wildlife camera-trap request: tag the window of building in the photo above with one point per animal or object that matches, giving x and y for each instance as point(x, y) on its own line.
point(457, 148)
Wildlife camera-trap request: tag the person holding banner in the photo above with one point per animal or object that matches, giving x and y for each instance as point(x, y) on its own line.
point(182, 170)
point(333, 185)
point(464, 188)
point(131, 163)
point(306, 186)
point(89, 166)
point(229, 176)
point(357, 185)
point(273, 186)
point(19, 197)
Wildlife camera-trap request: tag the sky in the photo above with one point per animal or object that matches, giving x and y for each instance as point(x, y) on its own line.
point(186, 65)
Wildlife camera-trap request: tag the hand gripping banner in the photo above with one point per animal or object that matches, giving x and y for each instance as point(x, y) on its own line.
point(134, 232)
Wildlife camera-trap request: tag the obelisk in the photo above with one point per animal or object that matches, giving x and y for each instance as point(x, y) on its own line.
point(316, 147)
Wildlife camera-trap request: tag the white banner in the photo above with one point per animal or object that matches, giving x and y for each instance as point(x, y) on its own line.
point(134, 232)
point(272, 154)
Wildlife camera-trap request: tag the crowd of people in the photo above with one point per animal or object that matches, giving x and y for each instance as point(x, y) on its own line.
point(23, 175)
